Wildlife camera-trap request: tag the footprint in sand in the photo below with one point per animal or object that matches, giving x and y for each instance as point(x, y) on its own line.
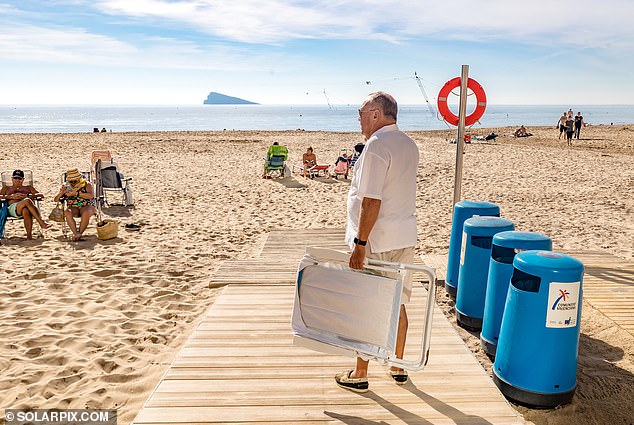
point(105, 273)
point(33, 352)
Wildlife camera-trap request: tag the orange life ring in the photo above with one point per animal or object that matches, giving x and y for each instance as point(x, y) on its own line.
point(449, 116)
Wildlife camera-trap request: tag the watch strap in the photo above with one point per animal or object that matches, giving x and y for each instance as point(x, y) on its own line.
point(359, 242)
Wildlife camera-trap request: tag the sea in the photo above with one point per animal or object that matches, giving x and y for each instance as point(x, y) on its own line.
point(81, 119)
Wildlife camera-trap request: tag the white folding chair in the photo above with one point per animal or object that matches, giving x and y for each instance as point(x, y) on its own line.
point(343, 311)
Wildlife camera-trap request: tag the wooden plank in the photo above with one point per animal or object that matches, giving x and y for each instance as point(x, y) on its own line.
point(421, 412)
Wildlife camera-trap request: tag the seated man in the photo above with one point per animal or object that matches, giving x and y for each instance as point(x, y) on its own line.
point(309, 159)
point(275, 150)
point(20, 203)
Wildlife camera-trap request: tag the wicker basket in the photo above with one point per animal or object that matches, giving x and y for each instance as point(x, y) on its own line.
point(107, 229)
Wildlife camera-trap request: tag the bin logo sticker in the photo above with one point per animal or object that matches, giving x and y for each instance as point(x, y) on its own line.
point(463, 248)
point(563, 305)
point(563, 296)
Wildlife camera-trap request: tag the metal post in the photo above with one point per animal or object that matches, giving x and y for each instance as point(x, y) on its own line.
point(457, 188)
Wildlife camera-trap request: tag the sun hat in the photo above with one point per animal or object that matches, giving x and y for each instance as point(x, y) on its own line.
point(18, 173)
point(73, 174)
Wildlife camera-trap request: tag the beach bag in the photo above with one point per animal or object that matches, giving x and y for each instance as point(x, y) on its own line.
point(107, 229)
point(57, 214)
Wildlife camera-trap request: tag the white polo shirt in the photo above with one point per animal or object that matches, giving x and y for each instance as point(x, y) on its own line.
point(386, 170)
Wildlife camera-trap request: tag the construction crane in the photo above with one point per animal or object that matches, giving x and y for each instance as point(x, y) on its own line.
point(422, 89)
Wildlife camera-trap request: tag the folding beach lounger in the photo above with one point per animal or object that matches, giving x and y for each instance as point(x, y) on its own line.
point(110, 180)
point(342, 311)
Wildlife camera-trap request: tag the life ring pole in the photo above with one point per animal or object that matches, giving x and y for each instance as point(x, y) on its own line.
point(462, 113)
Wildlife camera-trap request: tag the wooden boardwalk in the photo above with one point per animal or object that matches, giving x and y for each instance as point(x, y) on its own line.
point(240, 366)
point(608, 284)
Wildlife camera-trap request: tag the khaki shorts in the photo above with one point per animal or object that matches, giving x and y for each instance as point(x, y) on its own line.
point(403, 255)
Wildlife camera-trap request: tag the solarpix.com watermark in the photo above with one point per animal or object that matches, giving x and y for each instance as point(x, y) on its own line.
point(60, 417)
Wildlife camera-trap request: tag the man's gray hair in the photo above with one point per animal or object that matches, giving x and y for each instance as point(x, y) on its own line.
point(385, 103)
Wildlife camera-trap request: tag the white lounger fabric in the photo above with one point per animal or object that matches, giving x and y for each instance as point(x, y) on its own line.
point(339, 308)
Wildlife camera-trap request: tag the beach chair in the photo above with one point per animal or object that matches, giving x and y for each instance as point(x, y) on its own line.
point(110, 183)
point(342, 311)
point(5, 176)
point(318, 170)
point(274, 166)
point(99, 155)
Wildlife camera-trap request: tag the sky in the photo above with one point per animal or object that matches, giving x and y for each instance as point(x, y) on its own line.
point(174, 52)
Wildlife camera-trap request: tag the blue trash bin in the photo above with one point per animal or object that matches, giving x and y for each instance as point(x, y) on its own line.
point(461, 212)
point(505, 246)
point(536, 361)
point(474, 268)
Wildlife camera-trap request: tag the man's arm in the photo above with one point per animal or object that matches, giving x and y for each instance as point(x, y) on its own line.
point(35, 194)
point(369, 212)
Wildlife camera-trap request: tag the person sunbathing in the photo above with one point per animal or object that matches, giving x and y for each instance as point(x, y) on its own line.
point(309, 159)
point(79, 195)
point(521, 132)
point(20, 203)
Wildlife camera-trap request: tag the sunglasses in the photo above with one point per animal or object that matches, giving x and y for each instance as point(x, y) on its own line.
point(367, 110)
point(17, 178)
point(73, 181)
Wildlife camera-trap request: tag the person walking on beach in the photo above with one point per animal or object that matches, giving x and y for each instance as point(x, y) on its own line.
point(562, 124)
point(570, 129)
point(381, 220)
point(578, 123)
point(20, 202)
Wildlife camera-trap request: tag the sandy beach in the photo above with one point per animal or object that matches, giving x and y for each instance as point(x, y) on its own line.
point(95, 323)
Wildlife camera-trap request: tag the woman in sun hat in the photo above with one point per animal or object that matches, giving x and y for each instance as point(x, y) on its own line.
point(78, 194)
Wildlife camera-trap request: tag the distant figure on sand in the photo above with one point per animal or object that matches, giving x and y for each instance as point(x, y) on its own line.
point(562, 124)
point(578, 123)
point(20, 203)
point(103, 130)
point(570, 129)
point(570, 113)
point(79, 195)
point(382, 212)
point(309, 159)
point(521, 132)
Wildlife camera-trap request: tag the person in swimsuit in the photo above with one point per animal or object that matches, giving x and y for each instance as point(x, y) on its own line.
point(309, 159)
point(20, 203)
point(78, 194)
point(562, 123)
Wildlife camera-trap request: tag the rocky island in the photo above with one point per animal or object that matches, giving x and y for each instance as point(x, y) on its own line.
point(221, 99)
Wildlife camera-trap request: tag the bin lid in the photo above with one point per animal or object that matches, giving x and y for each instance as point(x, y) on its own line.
point(549, 264)
point(486, 225)
point(522, 240)
point(480, 206)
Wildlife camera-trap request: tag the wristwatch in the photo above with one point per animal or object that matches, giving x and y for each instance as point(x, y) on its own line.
point(359, 242)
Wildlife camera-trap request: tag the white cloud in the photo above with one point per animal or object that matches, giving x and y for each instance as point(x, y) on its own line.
point(62, 45)
point(67, 45)
point(584, 23)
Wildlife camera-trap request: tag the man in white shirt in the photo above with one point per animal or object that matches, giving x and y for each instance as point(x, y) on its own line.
point(382, 210)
